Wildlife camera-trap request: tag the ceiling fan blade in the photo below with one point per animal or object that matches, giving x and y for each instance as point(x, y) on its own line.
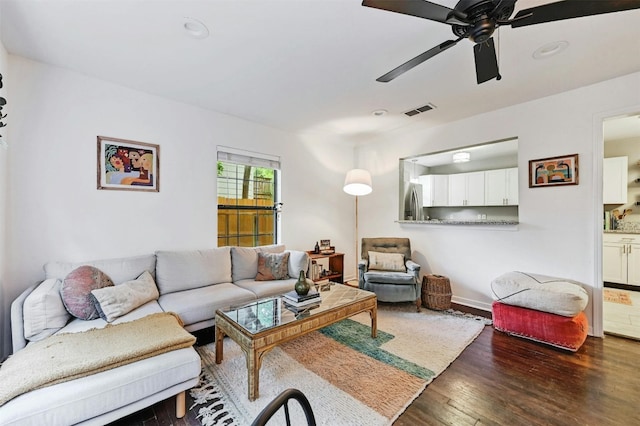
point(417, 61)
point(570, 9)
point(486, 61)
point(419, 8)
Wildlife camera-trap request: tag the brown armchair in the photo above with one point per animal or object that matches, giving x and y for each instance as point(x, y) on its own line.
point(387, 270)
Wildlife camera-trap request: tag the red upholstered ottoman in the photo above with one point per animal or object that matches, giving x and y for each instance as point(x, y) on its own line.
point(557, 330)
point(542, 308)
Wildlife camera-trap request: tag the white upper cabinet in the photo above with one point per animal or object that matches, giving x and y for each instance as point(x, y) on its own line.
point(435, 190)
point(501, 187)
point(614, 182)
point(466, 189)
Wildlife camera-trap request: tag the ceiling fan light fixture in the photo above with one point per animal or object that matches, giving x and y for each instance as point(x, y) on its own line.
point(461, 157)
point(550, 49)
point(194, 28)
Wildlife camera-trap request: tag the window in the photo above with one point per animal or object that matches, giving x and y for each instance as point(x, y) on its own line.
point(248, 195)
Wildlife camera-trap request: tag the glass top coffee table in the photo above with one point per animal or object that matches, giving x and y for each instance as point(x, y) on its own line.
point(261, 325)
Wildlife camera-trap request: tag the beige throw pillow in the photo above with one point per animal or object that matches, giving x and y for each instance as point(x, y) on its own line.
point(387, 261)
point(113, 302)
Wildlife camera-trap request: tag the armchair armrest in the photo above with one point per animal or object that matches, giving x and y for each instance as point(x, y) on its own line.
point(412, 266)
point(362, 265)
point(362, 268)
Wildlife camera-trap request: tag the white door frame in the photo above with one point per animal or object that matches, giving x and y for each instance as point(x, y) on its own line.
point(598, 155)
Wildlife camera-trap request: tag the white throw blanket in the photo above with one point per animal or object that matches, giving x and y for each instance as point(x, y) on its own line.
point(68, 356)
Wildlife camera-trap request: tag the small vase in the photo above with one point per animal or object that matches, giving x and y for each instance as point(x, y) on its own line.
point(302, 286)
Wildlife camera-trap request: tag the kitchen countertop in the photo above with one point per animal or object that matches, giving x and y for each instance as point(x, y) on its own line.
point(460, 222)
point(620, 231)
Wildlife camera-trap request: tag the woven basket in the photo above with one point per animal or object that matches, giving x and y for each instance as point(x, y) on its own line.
point(436, 292)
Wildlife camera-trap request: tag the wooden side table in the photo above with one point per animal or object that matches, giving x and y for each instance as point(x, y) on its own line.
point(336, 266)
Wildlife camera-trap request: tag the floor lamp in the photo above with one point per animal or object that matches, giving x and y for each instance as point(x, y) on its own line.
point(357, 182)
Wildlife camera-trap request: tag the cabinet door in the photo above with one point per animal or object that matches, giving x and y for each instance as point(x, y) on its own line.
point(633, 264)
point(457, 190)
point(440, 190)
point(614, 264)
point(495, 187)
point(475, 188)
point(614, 180)
point(512, 186)
point(427, 183)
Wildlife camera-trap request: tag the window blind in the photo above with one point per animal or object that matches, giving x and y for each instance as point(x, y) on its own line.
point(248, 158)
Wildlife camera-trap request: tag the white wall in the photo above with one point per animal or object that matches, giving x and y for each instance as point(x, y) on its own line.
point(56, 213)
point(5, 299)
point(556, 235)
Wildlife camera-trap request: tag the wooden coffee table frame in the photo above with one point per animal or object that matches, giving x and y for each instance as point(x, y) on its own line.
point(255, 346)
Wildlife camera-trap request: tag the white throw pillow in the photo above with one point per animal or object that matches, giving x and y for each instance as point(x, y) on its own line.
point(113, 302)
point(298, 261)
point(43, 311)
point(387, 261)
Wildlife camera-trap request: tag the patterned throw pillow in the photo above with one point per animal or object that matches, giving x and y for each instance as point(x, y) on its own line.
point(273, 266)
point(387, 261)
point(76, 291)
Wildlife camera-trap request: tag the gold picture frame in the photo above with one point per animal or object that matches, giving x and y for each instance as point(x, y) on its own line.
point(128, 165)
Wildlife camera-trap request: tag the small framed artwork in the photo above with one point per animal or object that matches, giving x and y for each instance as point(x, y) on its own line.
point(128, 165)
point(325, 244)
point(553, 171)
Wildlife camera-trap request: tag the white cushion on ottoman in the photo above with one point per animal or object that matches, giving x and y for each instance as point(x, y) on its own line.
point(540, 292)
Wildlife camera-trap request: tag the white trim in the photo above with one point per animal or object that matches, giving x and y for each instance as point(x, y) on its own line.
point(597, 319)
point(471, 303)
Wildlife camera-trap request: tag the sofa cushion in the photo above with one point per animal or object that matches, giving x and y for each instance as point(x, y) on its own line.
point(387, 261)
point(43, 311)
point(76, 291)
point(272, 266)
point(540, 292)
point(298, 261)
point(267, 288)
point(200, 304)
point(244, 260)
point(88, 397)
point(113, 302)
point(389, 277)
point(119, 270)
point(77, 325)
point(189, 269)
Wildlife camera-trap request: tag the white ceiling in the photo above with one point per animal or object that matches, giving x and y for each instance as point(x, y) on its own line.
point(310, 65)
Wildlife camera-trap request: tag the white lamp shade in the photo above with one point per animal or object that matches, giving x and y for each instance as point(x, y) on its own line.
point(357, 182)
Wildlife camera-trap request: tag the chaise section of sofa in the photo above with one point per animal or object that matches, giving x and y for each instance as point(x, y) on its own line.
point(191, 283)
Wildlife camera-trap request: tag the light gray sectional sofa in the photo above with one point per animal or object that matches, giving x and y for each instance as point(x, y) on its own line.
point(192, 284)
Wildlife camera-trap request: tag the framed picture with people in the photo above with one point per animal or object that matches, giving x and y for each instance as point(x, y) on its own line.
point(128, 165)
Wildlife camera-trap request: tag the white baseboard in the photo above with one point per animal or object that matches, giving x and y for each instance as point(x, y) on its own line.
point(471, 303)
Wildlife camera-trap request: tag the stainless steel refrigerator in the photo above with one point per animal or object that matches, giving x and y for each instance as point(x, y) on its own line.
point(413, 201)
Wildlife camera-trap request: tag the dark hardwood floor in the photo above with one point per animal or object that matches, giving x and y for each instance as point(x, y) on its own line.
point(504, 380)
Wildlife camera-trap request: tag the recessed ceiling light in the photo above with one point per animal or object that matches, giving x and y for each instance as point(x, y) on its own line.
point(550, 49)
point(195, 28)
point(379, 112)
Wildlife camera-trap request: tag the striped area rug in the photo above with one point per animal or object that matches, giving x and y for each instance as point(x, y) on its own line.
point(348, 377)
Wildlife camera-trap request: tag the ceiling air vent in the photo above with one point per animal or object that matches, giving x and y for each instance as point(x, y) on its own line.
point(422, 109)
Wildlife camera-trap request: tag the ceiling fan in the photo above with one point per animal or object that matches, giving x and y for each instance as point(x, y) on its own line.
point(478, 19)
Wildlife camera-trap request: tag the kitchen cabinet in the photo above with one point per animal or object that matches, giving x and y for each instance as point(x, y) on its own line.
point(615, 180)
point(466, 189)
point(621, 258)
point(435, 190)
point(501, 187)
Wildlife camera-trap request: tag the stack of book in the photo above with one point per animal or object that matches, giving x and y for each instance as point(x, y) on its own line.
point(296, 300)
